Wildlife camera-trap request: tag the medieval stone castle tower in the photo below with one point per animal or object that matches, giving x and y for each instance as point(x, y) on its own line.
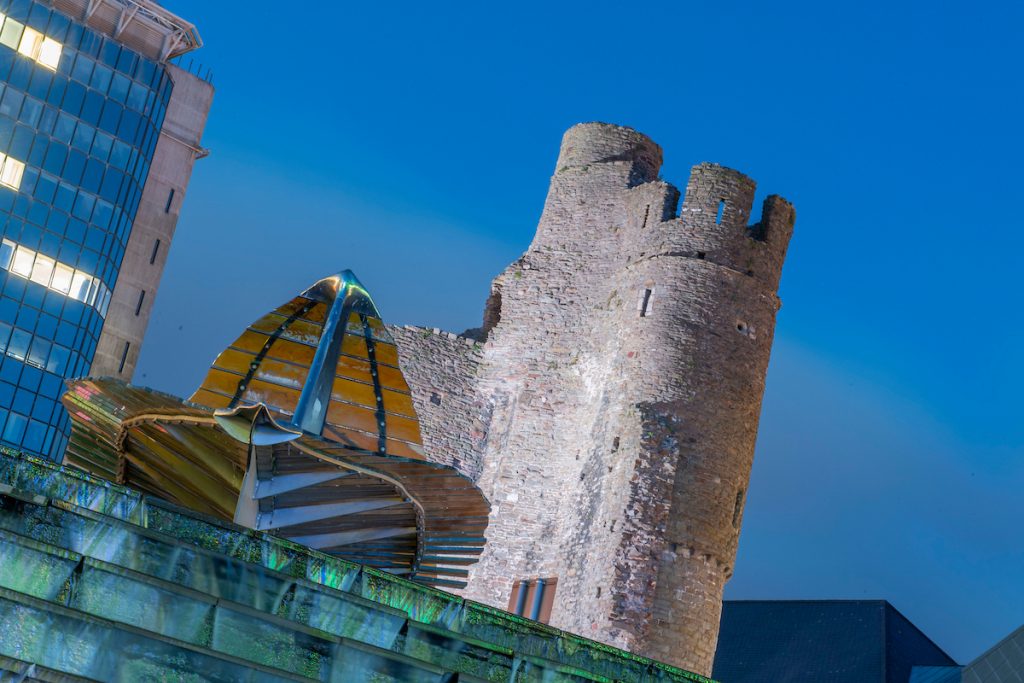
point(608, 407)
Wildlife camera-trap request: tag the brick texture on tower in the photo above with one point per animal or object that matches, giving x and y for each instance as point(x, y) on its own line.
point(608, 407)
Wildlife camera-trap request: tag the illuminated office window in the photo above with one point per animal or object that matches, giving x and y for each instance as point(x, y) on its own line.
point(62, 278)
point(49, 53)
point(23, 260)
point(42, 271)
point(54, 275)
point(10, 35)
point(31, 40)
point(11, 172)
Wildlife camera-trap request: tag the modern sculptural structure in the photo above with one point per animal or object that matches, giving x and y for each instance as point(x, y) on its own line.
point(303, 427)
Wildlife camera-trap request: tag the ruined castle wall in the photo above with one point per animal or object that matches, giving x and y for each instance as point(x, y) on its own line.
point(441, 369)
point(614, 405)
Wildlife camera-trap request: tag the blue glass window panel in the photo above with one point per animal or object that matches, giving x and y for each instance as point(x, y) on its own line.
point(145, 71)
point(21, 73)
point(93, 107)
point(93, 176)
point(18, 346)
point(101, 146)
point(50, 244)
point(74, 98)
point(34, 294)
point(137, 96)
point(57, 90)
point(8, 306)
point(66, 332)
point(39, 84)
point(58, 27)
point(43, 409)
point(75, 167)
point(88, 260)
point(56, 155)
point(38, 17)
point(23, 400)
point(111, 116)
point(119, 154)
point(84, 133)
point(21, 143)
point(103, 214)
point(53, 303)
point(48, 120)
point(6, 252)
point(129, 127)
point(46, 327)
point(5, 334)
point(46, 188)
point(48, 441)
point(11, 369)
point(83, 205)
point(28, 184)
point(10, 105)
point(6, 131)
point(101, 78)
point(94, 239)
point(7, 59)
point(119, 87)
point(65, 198)
point(15, 289)
point(76, 232)
point(39, 352)
point(38, 213)
point(30, 378)
point(58, 360)
point(111, 51)
point(82, 70)
point(126, 61)
point(111, 184)
point(51, 385)
point(6, 394)
point(33, 440)
point(15, 428)
point(31, 111)
point(65, 128)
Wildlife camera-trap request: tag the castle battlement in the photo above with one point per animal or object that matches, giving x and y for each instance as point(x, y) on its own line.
point(609, 411)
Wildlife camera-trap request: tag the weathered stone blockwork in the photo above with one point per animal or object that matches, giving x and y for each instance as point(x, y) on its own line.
point(611, 412)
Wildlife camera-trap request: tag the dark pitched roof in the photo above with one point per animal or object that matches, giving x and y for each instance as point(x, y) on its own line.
point(791, 641)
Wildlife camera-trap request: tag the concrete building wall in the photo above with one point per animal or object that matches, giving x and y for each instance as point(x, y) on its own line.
point(142, 267)
point(610, 415)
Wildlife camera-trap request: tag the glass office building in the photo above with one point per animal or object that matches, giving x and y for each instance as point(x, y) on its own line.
point(80, 117)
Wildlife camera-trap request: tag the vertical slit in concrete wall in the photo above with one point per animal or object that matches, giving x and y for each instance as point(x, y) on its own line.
point(645, 303)
point(736, 510)
point(156, 250)
point(138, 306)
point(721, 210)
point(124, 357)
point(647, 213)
point(170, 198)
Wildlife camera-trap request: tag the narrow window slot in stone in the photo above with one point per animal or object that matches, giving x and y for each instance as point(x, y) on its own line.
point(170, 198)
point(721, 210)
point(647, 213)
point(701, 255)
point(138, 306)
point(124, 357)
point(156, 250)
point(736, 510)
point(598, 591)
point(645, 303)
point(615, 444)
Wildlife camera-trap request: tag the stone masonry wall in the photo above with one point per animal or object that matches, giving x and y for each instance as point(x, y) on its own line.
point(610, 416)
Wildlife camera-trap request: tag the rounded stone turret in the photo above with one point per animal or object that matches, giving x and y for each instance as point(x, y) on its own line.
point(586, 144)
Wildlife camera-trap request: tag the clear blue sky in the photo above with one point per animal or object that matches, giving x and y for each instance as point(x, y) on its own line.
point(413, 143)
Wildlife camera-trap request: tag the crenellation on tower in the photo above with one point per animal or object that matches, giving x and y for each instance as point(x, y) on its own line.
point(613, 405)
